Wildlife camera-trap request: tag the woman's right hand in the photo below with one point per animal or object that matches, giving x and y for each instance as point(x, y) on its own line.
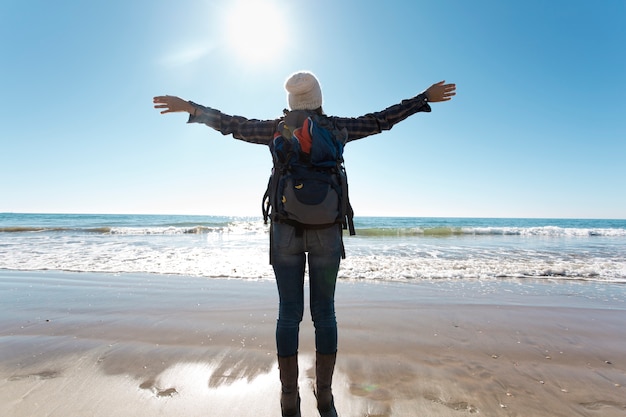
point(172, 104)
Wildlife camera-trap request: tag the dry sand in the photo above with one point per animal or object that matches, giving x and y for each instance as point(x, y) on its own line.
point(144, 345)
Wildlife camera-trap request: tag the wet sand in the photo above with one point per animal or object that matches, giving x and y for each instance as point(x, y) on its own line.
point(85, 344)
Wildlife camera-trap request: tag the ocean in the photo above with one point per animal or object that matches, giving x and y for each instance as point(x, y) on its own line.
point(384, 248)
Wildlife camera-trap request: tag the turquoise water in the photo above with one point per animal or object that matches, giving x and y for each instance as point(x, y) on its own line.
point(388, 249)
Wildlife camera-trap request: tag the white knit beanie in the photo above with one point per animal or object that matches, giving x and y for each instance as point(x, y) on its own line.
point(303, 91)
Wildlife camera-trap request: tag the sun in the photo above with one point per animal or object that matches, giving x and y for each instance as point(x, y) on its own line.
point(256, 31)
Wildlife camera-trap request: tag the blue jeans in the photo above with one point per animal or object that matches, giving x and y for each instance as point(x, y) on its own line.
point(290, 248)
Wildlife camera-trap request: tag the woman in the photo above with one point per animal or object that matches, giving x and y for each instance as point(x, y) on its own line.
point(291, 247)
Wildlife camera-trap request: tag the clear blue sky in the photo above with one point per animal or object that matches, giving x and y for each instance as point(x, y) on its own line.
point(537, 129)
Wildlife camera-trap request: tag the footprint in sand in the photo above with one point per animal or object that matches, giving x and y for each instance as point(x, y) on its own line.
point(38, 375)
point(159, 392)
point(599, 405)
point(457, 406)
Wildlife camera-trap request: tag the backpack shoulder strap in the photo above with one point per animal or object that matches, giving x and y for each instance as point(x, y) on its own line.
point(340, 135)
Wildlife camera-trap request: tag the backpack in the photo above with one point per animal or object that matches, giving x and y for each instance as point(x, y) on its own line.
point(308, 188)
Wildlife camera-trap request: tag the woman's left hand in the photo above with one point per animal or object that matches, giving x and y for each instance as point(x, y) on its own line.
point(440, 92)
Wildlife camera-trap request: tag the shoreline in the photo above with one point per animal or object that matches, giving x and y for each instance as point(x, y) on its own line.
point(158, 345)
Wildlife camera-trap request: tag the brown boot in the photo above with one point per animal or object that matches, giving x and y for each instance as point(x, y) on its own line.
point(324, 368)
point(289, 396)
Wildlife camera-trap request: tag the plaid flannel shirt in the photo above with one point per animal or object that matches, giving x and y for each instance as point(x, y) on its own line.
point(262, 131)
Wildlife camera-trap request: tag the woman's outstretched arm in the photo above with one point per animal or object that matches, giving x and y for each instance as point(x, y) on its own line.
point(249, 130)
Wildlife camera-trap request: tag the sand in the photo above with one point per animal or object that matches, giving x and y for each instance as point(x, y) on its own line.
point(85, 344)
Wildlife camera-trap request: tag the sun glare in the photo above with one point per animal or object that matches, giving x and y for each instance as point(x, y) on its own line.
point(255, 30)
